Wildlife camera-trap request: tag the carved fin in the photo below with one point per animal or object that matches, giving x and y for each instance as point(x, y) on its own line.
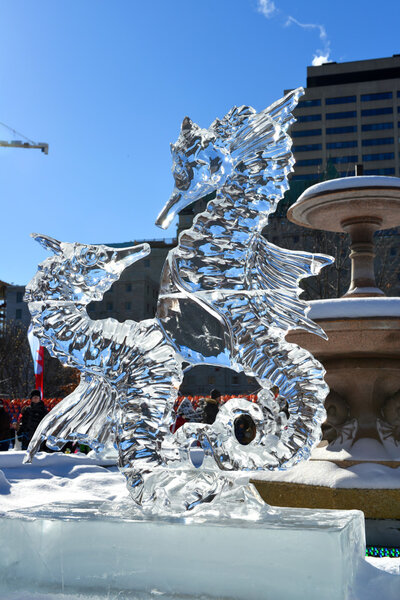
point(86, 416)
point(48, 242)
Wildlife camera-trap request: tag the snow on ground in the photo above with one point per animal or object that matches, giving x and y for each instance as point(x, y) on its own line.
point(325, 473)
point(75, 477)
point(57, 478)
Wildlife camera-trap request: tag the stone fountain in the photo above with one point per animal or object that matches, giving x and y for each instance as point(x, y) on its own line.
point(361, 356)
point(362, 353)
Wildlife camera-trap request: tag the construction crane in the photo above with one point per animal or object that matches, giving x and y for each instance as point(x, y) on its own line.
point(23, 144)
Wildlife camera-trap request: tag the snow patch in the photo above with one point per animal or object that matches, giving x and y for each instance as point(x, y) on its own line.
point(354, 308)
point(343, 183)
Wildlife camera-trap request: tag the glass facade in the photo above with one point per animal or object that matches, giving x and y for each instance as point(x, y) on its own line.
point(340, 100)
point(346, 129)
point(349, 144)
point(343, 159)
point(378, 156)
point(376, 126)
point(370, 112)
point(309, 162)
point(378, 96)
point(378, 141)
point(306, 118)
point(389, 171)
point(306, 133)
point(308, 177)
point(307, 147)
point(307, 103)
point(348, 114)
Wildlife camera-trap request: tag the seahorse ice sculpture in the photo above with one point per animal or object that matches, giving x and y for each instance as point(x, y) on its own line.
point(245, 287)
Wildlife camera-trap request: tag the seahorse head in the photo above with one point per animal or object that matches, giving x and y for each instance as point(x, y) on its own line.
point(79, 273)
point(247, 148)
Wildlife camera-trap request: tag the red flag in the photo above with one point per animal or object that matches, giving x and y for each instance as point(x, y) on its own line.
point(37, 352)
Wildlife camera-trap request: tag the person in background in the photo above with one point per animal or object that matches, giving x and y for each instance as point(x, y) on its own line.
point(212, 407)
point(31, 418)
point(5, 431)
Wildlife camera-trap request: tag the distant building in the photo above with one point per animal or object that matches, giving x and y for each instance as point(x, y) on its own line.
point(134, 296)
point(349, 115)
point(15, 307)
point(3, 292)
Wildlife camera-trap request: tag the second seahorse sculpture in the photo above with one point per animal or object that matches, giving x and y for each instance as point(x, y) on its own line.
point(232, 275)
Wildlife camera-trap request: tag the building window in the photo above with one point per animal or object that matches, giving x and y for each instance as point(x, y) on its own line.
point(378, 96)
point(349, 144)
point(346, 129)
point(348, 114)
point(378, 141)
point(340, 100)
point(398, 94)
point(109, 306)
point(307, 148)
point(211, 379)
point(376, 126)
point(307, 118)
point(388, 171)
point(379, 156)
point(307, 103)
point(18, 313)
point(393, 251)
point(20, 297)
point(309, 162)
point(306, 177)
point(343, 159)
point(306, 133)
point(370, 112)
point(128, 287)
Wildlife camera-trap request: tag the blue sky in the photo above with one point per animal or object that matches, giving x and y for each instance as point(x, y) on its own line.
point(107, 83)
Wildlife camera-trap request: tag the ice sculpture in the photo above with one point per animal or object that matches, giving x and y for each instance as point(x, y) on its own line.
point(244, 294)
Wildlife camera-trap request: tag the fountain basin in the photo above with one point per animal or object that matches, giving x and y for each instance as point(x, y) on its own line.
point(359, 206)
point(362, 360)
point(330, 204)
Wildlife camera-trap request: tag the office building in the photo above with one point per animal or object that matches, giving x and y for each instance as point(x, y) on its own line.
point(349, 115)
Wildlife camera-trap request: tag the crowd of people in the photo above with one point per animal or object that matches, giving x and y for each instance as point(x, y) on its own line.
point(18, 422)
point(22, 429)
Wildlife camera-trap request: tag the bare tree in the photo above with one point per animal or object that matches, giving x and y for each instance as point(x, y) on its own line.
point(16, 367)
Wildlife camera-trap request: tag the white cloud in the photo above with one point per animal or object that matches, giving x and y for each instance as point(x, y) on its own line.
point(266, 8)
point(322, 55)
point(320, 59)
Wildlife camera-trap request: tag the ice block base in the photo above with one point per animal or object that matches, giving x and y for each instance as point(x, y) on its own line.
point(289, 554)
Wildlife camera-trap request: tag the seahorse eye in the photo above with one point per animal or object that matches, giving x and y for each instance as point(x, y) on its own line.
point(88, 257)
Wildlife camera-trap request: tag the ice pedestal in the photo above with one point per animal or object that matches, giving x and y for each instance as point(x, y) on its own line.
point(289, 554)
